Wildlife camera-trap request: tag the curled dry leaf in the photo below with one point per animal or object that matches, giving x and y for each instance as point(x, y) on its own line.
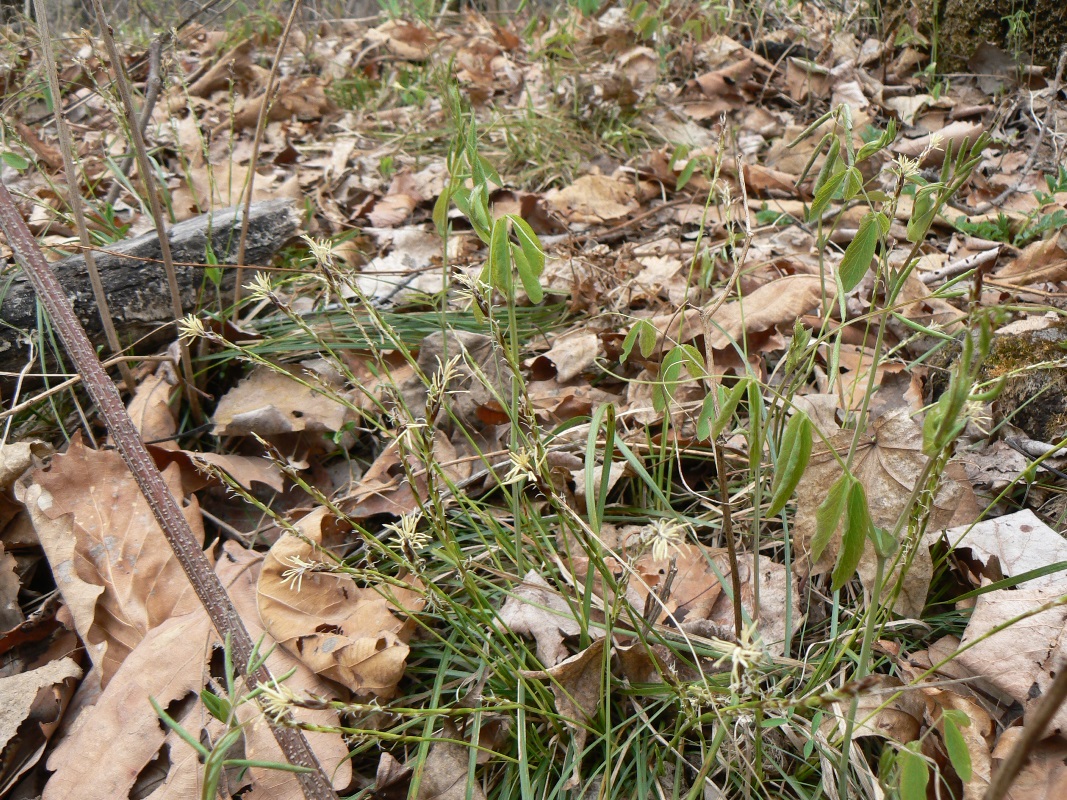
point(1021, 659)
point(577, 685)
point(535, 609)
point(593, 199)
point(269, 402)
point(352, 635)
point(899, 719)
point(1044, 775)
point(570, 355)
point(1011, 545)
point(31, 705)
point(114, 567)
point(120, 735)
point(150, 411)
point(955, 135)
point(777, 303)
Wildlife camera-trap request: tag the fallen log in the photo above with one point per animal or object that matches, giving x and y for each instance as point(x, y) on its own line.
point(136, 283)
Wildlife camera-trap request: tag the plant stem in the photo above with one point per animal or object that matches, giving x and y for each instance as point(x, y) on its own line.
point(164, 507)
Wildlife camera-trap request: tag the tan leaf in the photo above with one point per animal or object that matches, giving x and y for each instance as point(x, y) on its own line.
point(1044, 775)
point(1013, 544)
point(593, 199)
point(354, 636)
point(445, 774)
point(899, 719)
point(1021, 659)
point(30, 705)
point(268, 403)
point(777, 303)
point(113, 565)
point(535, 609)
point(392, 209)
point(888, 462)
point(571, 355)
point(955, 134)
point(10, 585)
point(977, 736)
point(577, 686)
point(120, 734)
point(149, 408)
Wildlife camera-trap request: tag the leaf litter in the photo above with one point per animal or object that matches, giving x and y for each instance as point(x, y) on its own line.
point(389, 465)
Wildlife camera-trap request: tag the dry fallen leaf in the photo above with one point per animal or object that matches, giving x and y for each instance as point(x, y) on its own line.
point(577, 685)
point(113, 565)
point(888, 462)
point(31, 706)
point(352, 635)
point(1013, 544)
point(1043, 775)
point(120, 735)
point(570, 355)
point(593, 199)
point(269, 402)
point(535, 609)
point(1021, 659)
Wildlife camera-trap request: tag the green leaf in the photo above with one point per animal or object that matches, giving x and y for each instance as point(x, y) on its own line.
point(853, 183)
point(526, 274)
point(500, 257)
point(682, 355)
point(440, 211)
point(729, 405)
point(914, 773)
point(828, 514)
point(824, 196)
point(488, 170)
point(958, 753)
point(831, 166)
point(530, 244)
point(755, 426)
point(478, 212)
point(922, 214)
point(854, 537)
point(686, 174)
point(643, 333)
point(707, 412)
point(14, 160)
point(215, 705)
point(793, 457)
point(860, 251)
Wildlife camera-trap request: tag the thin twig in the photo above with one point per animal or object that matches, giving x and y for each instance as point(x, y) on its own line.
point(164, 507)
point(261, 124)
point(74, 198)
point(74, 380)
point(145, 168)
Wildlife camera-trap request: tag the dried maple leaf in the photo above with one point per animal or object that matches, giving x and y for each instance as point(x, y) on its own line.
point(888, 461)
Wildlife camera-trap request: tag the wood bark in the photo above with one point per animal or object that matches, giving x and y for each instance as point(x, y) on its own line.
point(136, 283)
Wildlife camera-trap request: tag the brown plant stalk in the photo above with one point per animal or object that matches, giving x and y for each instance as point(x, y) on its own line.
point(145, 169)
point(164, 507)
point(74, 198)
point(261, 125)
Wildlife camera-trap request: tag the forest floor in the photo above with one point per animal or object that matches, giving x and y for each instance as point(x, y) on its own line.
point(660, 401)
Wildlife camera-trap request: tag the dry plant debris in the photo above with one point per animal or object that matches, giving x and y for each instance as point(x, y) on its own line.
point(660, 401)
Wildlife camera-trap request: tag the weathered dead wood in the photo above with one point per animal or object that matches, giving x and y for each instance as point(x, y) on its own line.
point(134, 278)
